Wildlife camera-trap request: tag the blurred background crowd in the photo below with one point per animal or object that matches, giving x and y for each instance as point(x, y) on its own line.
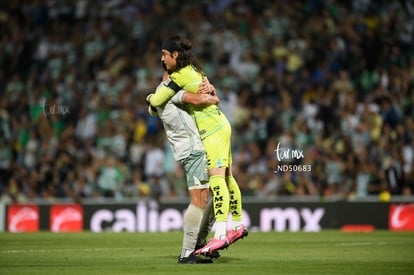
point(333, 80)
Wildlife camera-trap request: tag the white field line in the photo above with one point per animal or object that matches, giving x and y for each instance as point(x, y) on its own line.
point(361, 244)
point(59, 250)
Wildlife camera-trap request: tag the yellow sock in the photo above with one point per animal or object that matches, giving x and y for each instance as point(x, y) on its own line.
point(220, 197)
point(235, 199)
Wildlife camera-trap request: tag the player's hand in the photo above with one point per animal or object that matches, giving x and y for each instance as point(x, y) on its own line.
point(147, 99)
point(206, 87)
point(215, 100)
point(208, 99)
point(152, 111)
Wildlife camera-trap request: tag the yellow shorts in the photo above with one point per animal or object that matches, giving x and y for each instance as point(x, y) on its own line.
point(218, 148)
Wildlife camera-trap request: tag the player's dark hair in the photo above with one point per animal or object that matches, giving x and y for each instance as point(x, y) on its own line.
point(185, 57)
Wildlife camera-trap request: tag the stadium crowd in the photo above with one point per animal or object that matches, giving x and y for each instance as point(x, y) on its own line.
point(320, 95)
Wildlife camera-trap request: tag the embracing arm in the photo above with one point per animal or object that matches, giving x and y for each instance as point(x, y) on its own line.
point(206, 95)
point(200, 99)
point(161, 96)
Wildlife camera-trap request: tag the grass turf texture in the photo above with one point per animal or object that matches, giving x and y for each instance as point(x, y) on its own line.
point(326, 252)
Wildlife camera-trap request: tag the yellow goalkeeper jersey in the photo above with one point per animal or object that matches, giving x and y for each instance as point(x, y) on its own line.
point(209, 119)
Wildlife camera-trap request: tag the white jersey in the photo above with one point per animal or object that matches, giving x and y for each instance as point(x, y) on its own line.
point(180, 128)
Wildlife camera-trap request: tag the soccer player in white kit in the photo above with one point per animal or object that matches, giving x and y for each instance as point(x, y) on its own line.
point(183, 135)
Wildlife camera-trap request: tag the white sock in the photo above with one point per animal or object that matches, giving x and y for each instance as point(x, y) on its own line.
point(186, 253)
point(236, 225)
point(192, 220)
point(207, 223)
point(220, 230)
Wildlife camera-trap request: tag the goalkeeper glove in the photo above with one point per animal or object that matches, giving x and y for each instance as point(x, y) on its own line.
point(151, 109)
point(147, 99)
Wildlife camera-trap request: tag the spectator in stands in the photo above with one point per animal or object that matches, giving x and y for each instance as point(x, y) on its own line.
point(330, 74)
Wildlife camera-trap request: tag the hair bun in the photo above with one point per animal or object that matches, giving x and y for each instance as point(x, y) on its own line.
point(185, 44)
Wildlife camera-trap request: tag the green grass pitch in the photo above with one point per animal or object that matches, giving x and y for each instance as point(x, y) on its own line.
point(325, 252)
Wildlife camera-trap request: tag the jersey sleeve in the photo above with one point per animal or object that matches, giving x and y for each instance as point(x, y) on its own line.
point(187, 79)
point(161, 96)
point(178, 97)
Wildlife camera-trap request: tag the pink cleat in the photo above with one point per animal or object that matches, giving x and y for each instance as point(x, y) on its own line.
point(235, 235)
point(213, 245)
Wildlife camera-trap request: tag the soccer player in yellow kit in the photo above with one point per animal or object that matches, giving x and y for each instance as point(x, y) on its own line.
point(215, 131)
point(187, 148)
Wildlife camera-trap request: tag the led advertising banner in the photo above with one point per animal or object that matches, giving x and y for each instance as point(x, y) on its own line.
point(66, 218)
point(150, 216)
point(401, 217)
point(23, 218)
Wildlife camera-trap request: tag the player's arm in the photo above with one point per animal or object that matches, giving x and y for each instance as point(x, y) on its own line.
point(205, 95)
point(199, 99)
point(195, 98)
point(168, 88)
point(161, 96)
